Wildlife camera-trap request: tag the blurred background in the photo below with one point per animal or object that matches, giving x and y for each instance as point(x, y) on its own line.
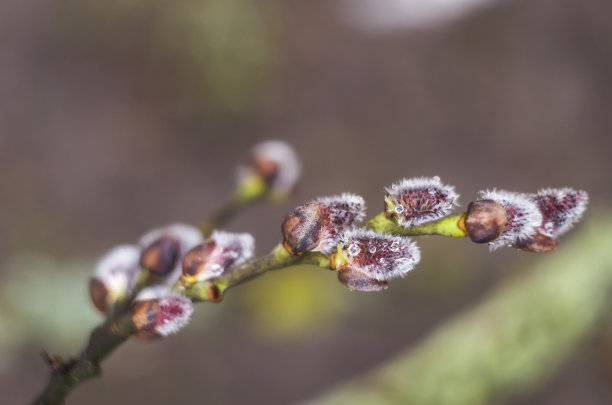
point(123, 115)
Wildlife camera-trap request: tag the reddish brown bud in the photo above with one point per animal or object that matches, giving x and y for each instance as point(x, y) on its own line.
point(267, 169)
point(358, 281)
point(537, 243)
point(160, 317)
point(160, 256)
point(212, 257)
point(301, 228)
point(276, 163)
point(485, 220)
point(144, 317)
point(115, 277)
point(318, 226)
point(522, 216)
point(98, 293)
point(195, 260)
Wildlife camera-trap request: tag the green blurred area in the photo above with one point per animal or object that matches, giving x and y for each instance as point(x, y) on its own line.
point(211, 54)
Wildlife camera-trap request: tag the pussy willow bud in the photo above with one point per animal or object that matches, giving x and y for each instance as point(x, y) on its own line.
point(276, 164)
point(415, 201)
point(158, 312)
point(218, 253)
point(317, 226)
point(484, 220)
point(160, 256)
point(560, 208)
point(115, 277)
point(371, 257)
point(522, 216)
point(163, 249)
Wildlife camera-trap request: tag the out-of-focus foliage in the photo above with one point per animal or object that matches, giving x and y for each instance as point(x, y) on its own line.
point(44, 302)
point(214, 52)
point(510, 342)
point(292, 303)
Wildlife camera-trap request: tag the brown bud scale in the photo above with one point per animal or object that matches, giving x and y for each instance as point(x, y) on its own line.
point(195, 260)
point(485, 220)
point(160, 256)
point(301, 228)
point(538, 243)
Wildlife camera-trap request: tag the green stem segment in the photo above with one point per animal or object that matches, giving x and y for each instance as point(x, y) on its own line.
point(249, 190)
point(451, 225)
point(225, 212)
point(279, 258)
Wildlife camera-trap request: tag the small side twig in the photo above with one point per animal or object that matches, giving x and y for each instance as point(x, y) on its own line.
point(65, 375)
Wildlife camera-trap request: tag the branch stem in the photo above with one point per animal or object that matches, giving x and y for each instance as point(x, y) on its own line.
point(65, 375)
point(279, 258)
point(450, 225)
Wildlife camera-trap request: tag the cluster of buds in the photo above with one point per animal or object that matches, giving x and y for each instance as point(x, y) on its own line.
point(145, 277)
point(365, 260)
point(162, 257)
point(530, 222)
point(155, 259)
point(174, 258)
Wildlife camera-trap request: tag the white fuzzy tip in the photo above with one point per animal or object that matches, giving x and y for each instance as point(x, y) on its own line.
point(379, 256)
point(522, 216)
point(188, 236)
point(118, 270)
point(230, 249)
point(418, 200)
point(174, 314)
point(154, 292)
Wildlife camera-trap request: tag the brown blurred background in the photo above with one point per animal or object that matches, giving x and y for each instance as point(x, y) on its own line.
point(119, 116)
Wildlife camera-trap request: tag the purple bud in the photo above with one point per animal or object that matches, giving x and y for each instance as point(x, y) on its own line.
point(415, 201)
point(218, 253)
point(158, 312)
point(115, 277)
point(375, 256)
point(317, 226)
point(522, 216)
point(560, 209)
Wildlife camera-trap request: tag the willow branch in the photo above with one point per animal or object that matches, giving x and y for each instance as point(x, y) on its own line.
point(279, 258)
point(225, 212)
point(65, 375)
point(451, 225)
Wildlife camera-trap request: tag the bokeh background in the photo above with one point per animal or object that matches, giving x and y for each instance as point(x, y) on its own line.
point(119, 116)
